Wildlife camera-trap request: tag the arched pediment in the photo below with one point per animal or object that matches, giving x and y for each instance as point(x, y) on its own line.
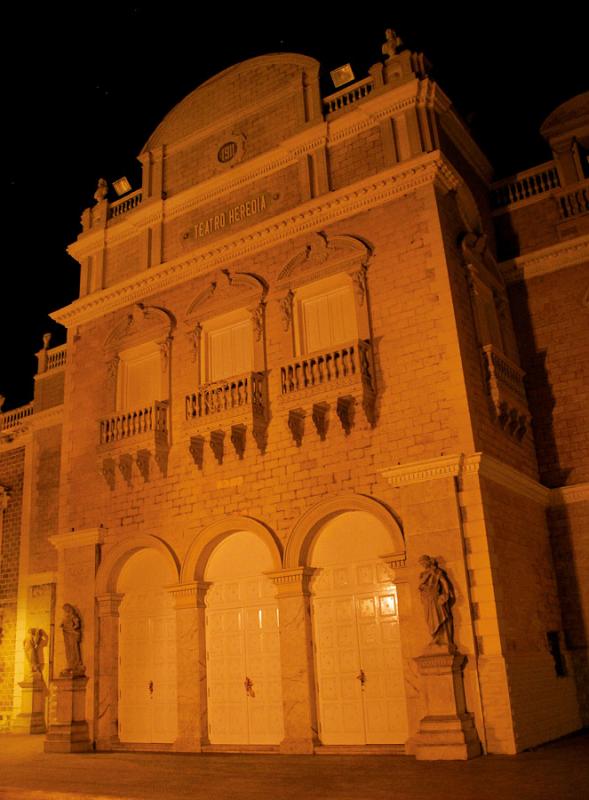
point(227, 290)
point(142, 322)
point(320, 249)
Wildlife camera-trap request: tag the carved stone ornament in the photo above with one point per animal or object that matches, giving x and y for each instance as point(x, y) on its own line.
point(296, 424)
point(321, 419)
point(437, 597)
point(71, 627)
point(286, 304)
point(142, 459)
point(126, 467)
point(196, 449)
point(391, 44)
point(107, 470)
point(345, 411)
point(238, 439)
point(360, 284)
point(217, 444)
point(195, 338)
point(101, 190)
point(165, 347)
point(112, 369)
point(257, 316)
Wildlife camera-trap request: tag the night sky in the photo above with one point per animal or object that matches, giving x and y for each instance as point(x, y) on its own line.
point(85, 86)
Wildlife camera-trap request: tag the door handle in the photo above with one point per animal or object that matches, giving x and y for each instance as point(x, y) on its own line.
point(361, 677)
point(249, 687)
point(150, 687)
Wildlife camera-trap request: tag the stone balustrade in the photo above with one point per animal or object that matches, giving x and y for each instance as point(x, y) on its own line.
point(127, 203)
point(505, 382)
point(503, 371)
point(57, 357)
point(573, 200)
point(123, 425)
point(348, 96)
point(344, 363)
point(227, 395)
point(15, 417)
point(533, 182)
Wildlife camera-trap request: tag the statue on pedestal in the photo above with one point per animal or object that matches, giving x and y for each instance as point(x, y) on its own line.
point(32, 644)
point(437, 596)
point(101, 190)
point(71, 627)
point(391, 45)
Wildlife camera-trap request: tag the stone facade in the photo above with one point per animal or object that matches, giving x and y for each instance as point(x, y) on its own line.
point(295, 367)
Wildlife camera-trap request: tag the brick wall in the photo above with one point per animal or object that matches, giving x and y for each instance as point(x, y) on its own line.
point(49, 390)
point(44, 508)
point(11, 475)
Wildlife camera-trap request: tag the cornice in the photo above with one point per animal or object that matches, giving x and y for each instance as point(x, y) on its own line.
point(47, 419)
point(312, 215)
point(460, 466)
point(567, 495)
point(81, 538)
point(548, 259)
point(240, 177)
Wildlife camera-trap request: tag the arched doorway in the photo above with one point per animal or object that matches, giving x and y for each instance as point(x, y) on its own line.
point(243, 648)
point(357, 645)
point(147, 650)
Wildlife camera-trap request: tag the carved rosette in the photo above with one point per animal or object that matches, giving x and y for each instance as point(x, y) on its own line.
point(196, 449)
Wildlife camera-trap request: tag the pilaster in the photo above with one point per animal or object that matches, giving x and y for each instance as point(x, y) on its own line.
point(107, 670)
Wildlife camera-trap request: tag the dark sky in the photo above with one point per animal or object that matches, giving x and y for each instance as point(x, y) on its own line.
point(86, 85)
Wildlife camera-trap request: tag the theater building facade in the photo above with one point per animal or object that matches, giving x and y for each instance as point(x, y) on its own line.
point(311, 473)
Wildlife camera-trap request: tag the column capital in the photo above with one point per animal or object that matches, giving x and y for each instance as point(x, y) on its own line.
point(189, 595)
point(395, 564)
point(292, 582)
point(108, 604)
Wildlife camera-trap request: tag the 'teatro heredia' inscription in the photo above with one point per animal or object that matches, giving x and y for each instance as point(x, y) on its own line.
point(225, 218)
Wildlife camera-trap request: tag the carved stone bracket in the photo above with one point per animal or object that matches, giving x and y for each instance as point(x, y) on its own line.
point(286, 304)
point(142, 459)
point(161, 459)
point(126, 467)
point(217, 444)
point(296, 424)
point(345, 410)
point(238, 439)
point(321, 419)
point(107, 470)
point(197, 449)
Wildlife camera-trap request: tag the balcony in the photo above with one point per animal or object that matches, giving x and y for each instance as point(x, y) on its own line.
point(525, 185)
point(341, 375)
point(125, 204)
point(233, 403)
point(134, 438)
point(505, 384)
point(15, 422)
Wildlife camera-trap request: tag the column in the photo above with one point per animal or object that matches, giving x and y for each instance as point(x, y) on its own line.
point(108, 671)
point(189, 599)
point(296, 653)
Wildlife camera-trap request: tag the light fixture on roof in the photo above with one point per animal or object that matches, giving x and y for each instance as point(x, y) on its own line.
point(342, 75)
point(122, 186)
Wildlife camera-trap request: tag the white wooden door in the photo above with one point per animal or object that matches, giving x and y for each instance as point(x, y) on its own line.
point(358, 657)
point(243, 663)
point(147, 668)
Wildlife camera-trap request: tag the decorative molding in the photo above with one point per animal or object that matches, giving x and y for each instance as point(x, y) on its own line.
point(296, 424)
point(189, 595)
point(81, 538)
point(292, 582)
point(547, 260)
point(424, 471)
point(313, 215)
point(567, 495)
point(286, 308)
point(108, 604)
point(494, 470)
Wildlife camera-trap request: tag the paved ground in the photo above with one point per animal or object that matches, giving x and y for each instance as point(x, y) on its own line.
point(558, 771)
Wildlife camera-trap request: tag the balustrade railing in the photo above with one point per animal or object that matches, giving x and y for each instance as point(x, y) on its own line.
point(15, 417)
point(125, 424)
point(57, 357)
point(127, 203)
point(524, 185)
point(503, 372)
point(227, 395)
point(573, 201)
point(346, 97)
point(348, 361)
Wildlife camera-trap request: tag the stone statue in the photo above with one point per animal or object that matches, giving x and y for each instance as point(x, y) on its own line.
point(32, 644)
point(101, 190)
point(72, 636)
point(392, 44)
point(437, 596)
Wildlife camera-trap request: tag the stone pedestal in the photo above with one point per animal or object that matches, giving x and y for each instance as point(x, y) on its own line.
point(447, 731)
point(68, 729)
point(32, 715)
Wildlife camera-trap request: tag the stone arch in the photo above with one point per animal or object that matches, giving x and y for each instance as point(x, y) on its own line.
point(207, 540)
point(110, 568)
point(305, 530)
